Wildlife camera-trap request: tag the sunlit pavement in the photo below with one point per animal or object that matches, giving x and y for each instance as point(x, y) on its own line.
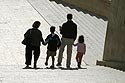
point(16, 16)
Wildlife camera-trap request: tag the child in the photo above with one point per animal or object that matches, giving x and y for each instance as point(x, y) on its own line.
point(54, 43)
point(81, 49)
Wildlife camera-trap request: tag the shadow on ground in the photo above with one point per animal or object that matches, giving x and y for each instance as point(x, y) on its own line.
point(62, 68)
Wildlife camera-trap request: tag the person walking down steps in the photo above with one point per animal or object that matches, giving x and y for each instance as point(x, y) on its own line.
point(69, 34)
point(81, 49)
point(33, 41)
point(54, 43)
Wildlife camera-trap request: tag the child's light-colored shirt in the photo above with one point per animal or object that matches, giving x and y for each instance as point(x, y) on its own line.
point(81, 47)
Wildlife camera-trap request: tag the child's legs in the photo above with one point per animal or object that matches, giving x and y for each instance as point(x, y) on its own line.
point(79, 57)
point(53, 53)
point(48, 55)
point(53, 59)
point(47, 58)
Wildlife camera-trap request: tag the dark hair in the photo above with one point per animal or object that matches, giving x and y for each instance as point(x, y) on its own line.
point(52, 29)
point(81, 39)
point(36, 24)
point(69, 16)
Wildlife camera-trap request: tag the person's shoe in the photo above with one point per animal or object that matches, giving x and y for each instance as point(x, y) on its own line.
point(52, 67)
point(27, 67)
point(59, 64)
point(46, 63)
point(79, 66)
point(68, 67)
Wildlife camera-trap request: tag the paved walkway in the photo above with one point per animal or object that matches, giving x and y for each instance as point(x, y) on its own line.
point(93, 74)
point(16, 16)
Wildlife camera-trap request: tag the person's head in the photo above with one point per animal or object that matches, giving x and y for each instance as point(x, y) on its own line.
point(52, 29)
point(69, 16)
point(81, 39)
point(36, 24)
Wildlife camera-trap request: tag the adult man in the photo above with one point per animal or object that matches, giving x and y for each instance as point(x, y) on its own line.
point(69, 34)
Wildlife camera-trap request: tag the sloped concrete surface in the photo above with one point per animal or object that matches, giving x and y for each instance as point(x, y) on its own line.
point(92, 28)
point(14, 74)
point(16, 16)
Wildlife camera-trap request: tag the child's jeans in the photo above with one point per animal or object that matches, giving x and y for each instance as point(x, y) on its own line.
point(79, 57)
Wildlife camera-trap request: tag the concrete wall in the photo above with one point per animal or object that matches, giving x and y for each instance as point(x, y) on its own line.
point(100, 7)
point(115, 41)
point(114, 51)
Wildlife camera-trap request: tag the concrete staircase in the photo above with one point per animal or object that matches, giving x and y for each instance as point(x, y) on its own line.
point(92, 28)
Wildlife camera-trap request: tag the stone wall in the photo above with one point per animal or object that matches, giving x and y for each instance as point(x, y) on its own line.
point(115, 44)
point(114, 51)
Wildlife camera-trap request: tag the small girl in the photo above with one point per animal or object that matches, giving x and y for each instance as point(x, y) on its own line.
point(81, 49)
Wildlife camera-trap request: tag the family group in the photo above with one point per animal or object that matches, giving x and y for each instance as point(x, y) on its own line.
point(33, 38)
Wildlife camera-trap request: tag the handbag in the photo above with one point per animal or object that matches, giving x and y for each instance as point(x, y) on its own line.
point(27, 40)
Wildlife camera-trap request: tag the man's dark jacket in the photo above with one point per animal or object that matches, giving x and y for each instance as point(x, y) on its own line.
point(69, 30)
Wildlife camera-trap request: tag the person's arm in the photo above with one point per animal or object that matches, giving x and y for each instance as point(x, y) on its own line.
point(27, 34)
point(41, 38)
point(58, 42)
point(47, 40)
point(84, 48)
point(60, 29)
point(75, 33)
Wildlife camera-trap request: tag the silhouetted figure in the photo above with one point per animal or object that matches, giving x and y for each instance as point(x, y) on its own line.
point(81, 49)
point(35, 37)
point(54, 43)
point(69, 34)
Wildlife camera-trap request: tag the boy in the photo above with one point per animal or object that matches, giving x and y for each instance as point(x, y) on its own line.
point(54, 43)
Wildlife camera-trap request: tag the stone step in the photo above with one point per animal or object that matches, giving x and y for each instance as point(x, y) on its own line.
point(92, 28)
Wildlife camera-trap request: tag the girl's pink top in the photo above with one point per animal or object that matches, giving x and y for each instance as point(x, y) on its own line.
point(81, 47)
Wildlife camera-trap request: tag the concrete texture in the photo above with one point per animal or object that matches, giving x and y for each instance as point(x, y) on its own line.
point(115, 47)
point(99, 7)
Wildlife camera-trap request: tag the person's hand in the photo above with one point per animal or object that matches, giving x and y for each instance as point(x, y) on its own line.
point(44, 43)
point(60, 27)
point(57, 47)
